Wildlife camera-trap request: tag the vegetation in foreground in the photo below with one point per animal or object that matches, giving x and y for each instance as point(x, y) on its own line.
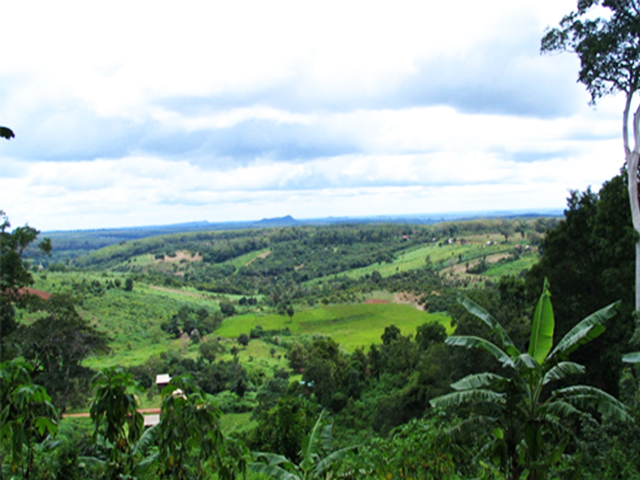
point(307, 371)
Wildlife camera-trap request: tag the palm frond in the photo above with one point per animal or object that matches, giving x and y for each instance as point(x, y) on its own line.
point(633, 357)
point(480, 380)
point(476, 310)
point(526, 360)
point(326, 438)
point(481, 343)
point(273, 471)
point(91, 462)
point(542, 327)
point(559, 409)
point(146, 440)
point(144, 464)
point(462, 429)
point(585, 331)
point(585, 396)
point(563, 369)
point(311, 448)
point(327, 462)
point(467, 396)
point(271, 458)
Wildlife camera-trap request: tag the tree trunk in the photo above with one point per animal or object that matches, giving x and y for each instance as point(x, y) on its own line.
point(632, 158)
point(632, 172)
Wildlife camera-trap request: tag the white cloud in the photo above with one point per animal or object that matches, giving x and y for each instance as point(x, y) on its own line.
point(131, 113)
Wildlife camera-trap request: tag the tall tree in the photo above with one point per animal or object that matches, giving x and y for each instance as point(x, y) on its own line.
point(57, 344)
point(589, 260)
point(609, 51)
point(14, 276)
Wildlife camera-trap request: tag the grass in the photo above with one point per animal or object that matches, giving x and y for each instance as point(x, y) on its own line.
point(351, 325)
point(512, 268)
point(243, 260)
point(131, 319)
point(236, 422)
point(439, 256)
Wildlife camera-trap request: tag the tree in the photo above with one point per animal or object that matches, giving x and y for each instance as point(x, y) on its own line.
point(420, 449)
point(589, 260)
point(506, 229)
point(290, 311)
point(26, 416)
point(14, 276)
point(190, 441)
point(227, 308)
point(325, 370)
point(57, 344)
point(609, 52)
point(210, 348)
point(117, 424)
point(428, 334)
point(7, 133)
point(521, 409)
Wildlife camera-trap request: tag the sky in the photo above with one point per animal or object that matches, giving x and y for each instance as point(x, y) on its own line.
point(133, 113)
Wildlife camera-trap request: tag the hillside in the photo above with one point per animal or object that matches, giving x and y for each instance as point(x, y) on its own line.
point(262, 273)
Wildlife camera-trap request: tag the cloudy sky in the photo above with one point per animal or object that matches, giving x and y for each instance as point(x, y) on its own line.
point(134, 113)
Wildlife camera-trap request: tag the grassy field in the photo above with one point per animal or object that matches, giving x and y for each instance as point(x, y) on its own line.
point(351, 325)
point(439, 256)
point(512, 268)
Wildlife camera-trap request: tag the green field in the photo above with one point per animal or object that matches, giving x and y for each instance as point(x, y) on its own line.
point(439, 256)
point(512, 268)
point(351, 325)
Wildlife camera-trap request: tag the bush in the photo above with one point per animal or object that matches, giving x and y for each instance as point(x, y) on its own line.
point(227, 308)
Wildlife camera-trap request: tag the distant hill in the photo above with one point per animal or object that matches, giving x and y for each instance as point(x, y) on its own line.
point(70, 244)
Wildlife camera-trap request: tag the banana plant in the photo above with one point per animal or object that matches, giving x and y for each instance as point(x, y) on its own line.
point(523, 408)
point(318, 457)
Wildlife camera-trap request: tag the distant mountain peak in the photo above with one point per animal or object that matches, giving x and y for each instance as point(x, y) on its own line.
point(279, 221)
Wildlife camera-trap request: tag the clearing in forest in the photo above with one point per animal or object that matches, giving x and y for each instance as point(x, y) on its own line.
point(351, 325)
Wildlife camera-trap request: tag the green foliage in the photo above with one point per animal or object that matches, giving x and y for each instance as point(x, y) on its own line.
point(429, 334)
point(27, 417)
point(324, 372)
point(589, 259)
point(354, 324)
point(542, 328)
point(318, 458)
point(521, 408)
point(14, 277)
point(189, 320)
point(7, 133)
point(190, 442)
point(421, 449)
point(117, 423)
point(210, 348)
point(606, 46)
point(227, 309)
point(57, 344)
point(282, 429)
